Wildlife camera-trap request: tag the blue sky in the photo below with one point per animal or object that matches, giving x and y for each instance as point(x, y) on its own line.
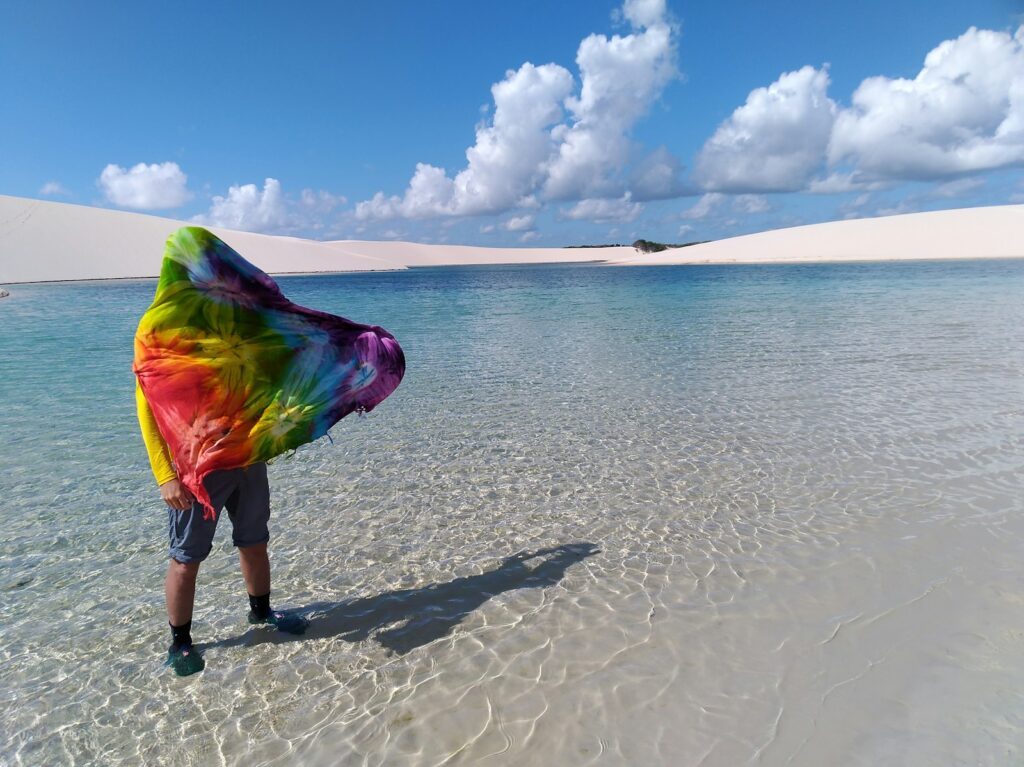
point(510, 123)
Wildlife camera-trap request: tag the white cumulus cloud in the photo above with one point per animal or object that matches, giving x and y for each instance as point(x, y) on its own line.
point(963, 112)
point(705, 206)
point(643, 13)
point(622, 76)
point(751, 203)
point(726, 208)
point(658, 176)
point(503, 166)
point(957, 188)
point(839, 182)
point(249, 208)
point(53, 189)
point(604, 210)
point(530, 148)
point(776, 141)
point(145, 187)
point(518, 223)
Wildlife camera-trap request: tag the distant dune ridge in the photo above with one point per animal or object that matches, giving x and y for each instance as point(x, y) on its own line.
point(44, 241)
point(991, 232)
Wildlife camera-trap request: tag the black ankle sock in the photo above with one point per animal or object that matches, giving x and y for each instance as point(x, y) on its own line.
point(260, 605)
point(181, 636)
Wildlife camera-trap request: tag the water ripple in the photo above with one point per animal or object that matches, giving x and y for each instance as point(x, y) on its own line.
point(673, 516)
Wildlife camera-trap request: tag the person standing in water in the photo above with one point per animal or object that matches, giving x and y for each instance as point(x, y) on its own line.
point(245, 494)
point(231, 374)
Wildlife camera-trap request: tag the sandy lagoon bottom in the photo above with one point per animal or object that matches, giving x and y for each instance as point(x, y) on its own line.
point(718, 516)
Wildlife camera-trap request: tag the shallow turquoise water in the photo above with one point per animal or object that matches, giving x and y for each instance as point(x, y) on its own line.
point(714, 462)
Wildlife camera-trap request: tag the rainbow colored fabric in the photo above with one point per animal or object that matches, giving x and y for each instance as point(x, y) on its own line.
point(235, 373)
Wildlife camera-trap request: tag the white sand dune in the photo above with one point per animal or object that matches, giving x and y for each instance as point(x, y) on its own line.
point(991, 232)
point(43, 241)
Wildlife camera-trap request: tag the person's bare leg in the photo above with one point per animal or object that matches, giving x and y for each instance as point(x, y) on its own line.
point(255, 568)
point(180, 590)
point(256, 572)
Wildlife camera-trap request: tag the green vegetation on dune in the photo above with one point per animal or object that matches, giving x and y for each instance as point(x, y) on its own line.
point(646, 246)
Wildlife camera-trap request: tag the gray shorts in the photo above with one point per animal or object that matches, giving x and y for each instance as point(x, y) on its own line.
point(246, 496)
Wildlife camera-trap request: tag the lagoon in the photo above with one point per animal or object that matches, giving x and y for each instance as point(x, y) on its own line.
point(668, 515)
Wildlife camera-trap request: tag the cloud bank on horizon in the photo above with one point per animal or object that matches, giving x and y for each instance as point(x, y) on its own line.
point(562, 143)
point(962, 113)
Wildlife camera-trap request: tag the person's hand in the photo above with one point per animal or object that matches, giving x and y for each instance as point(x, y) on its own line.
point(176, 495)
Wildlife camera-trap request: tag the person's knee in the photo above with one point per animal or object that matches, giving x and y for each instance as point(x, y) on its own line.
point(184, 571)
point(256, 553)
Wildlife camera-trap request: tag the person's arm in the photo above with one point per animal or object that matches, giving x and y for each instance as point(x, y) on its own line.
point(173, 492)
point(159, 455)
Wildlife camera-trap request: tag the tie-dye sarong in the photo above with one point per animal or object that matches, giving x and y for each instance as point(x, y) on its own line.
point(235, 373)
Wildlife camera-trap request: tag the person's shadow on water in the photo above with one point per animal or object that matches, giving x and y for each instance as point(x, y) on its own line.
point(405, 619)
